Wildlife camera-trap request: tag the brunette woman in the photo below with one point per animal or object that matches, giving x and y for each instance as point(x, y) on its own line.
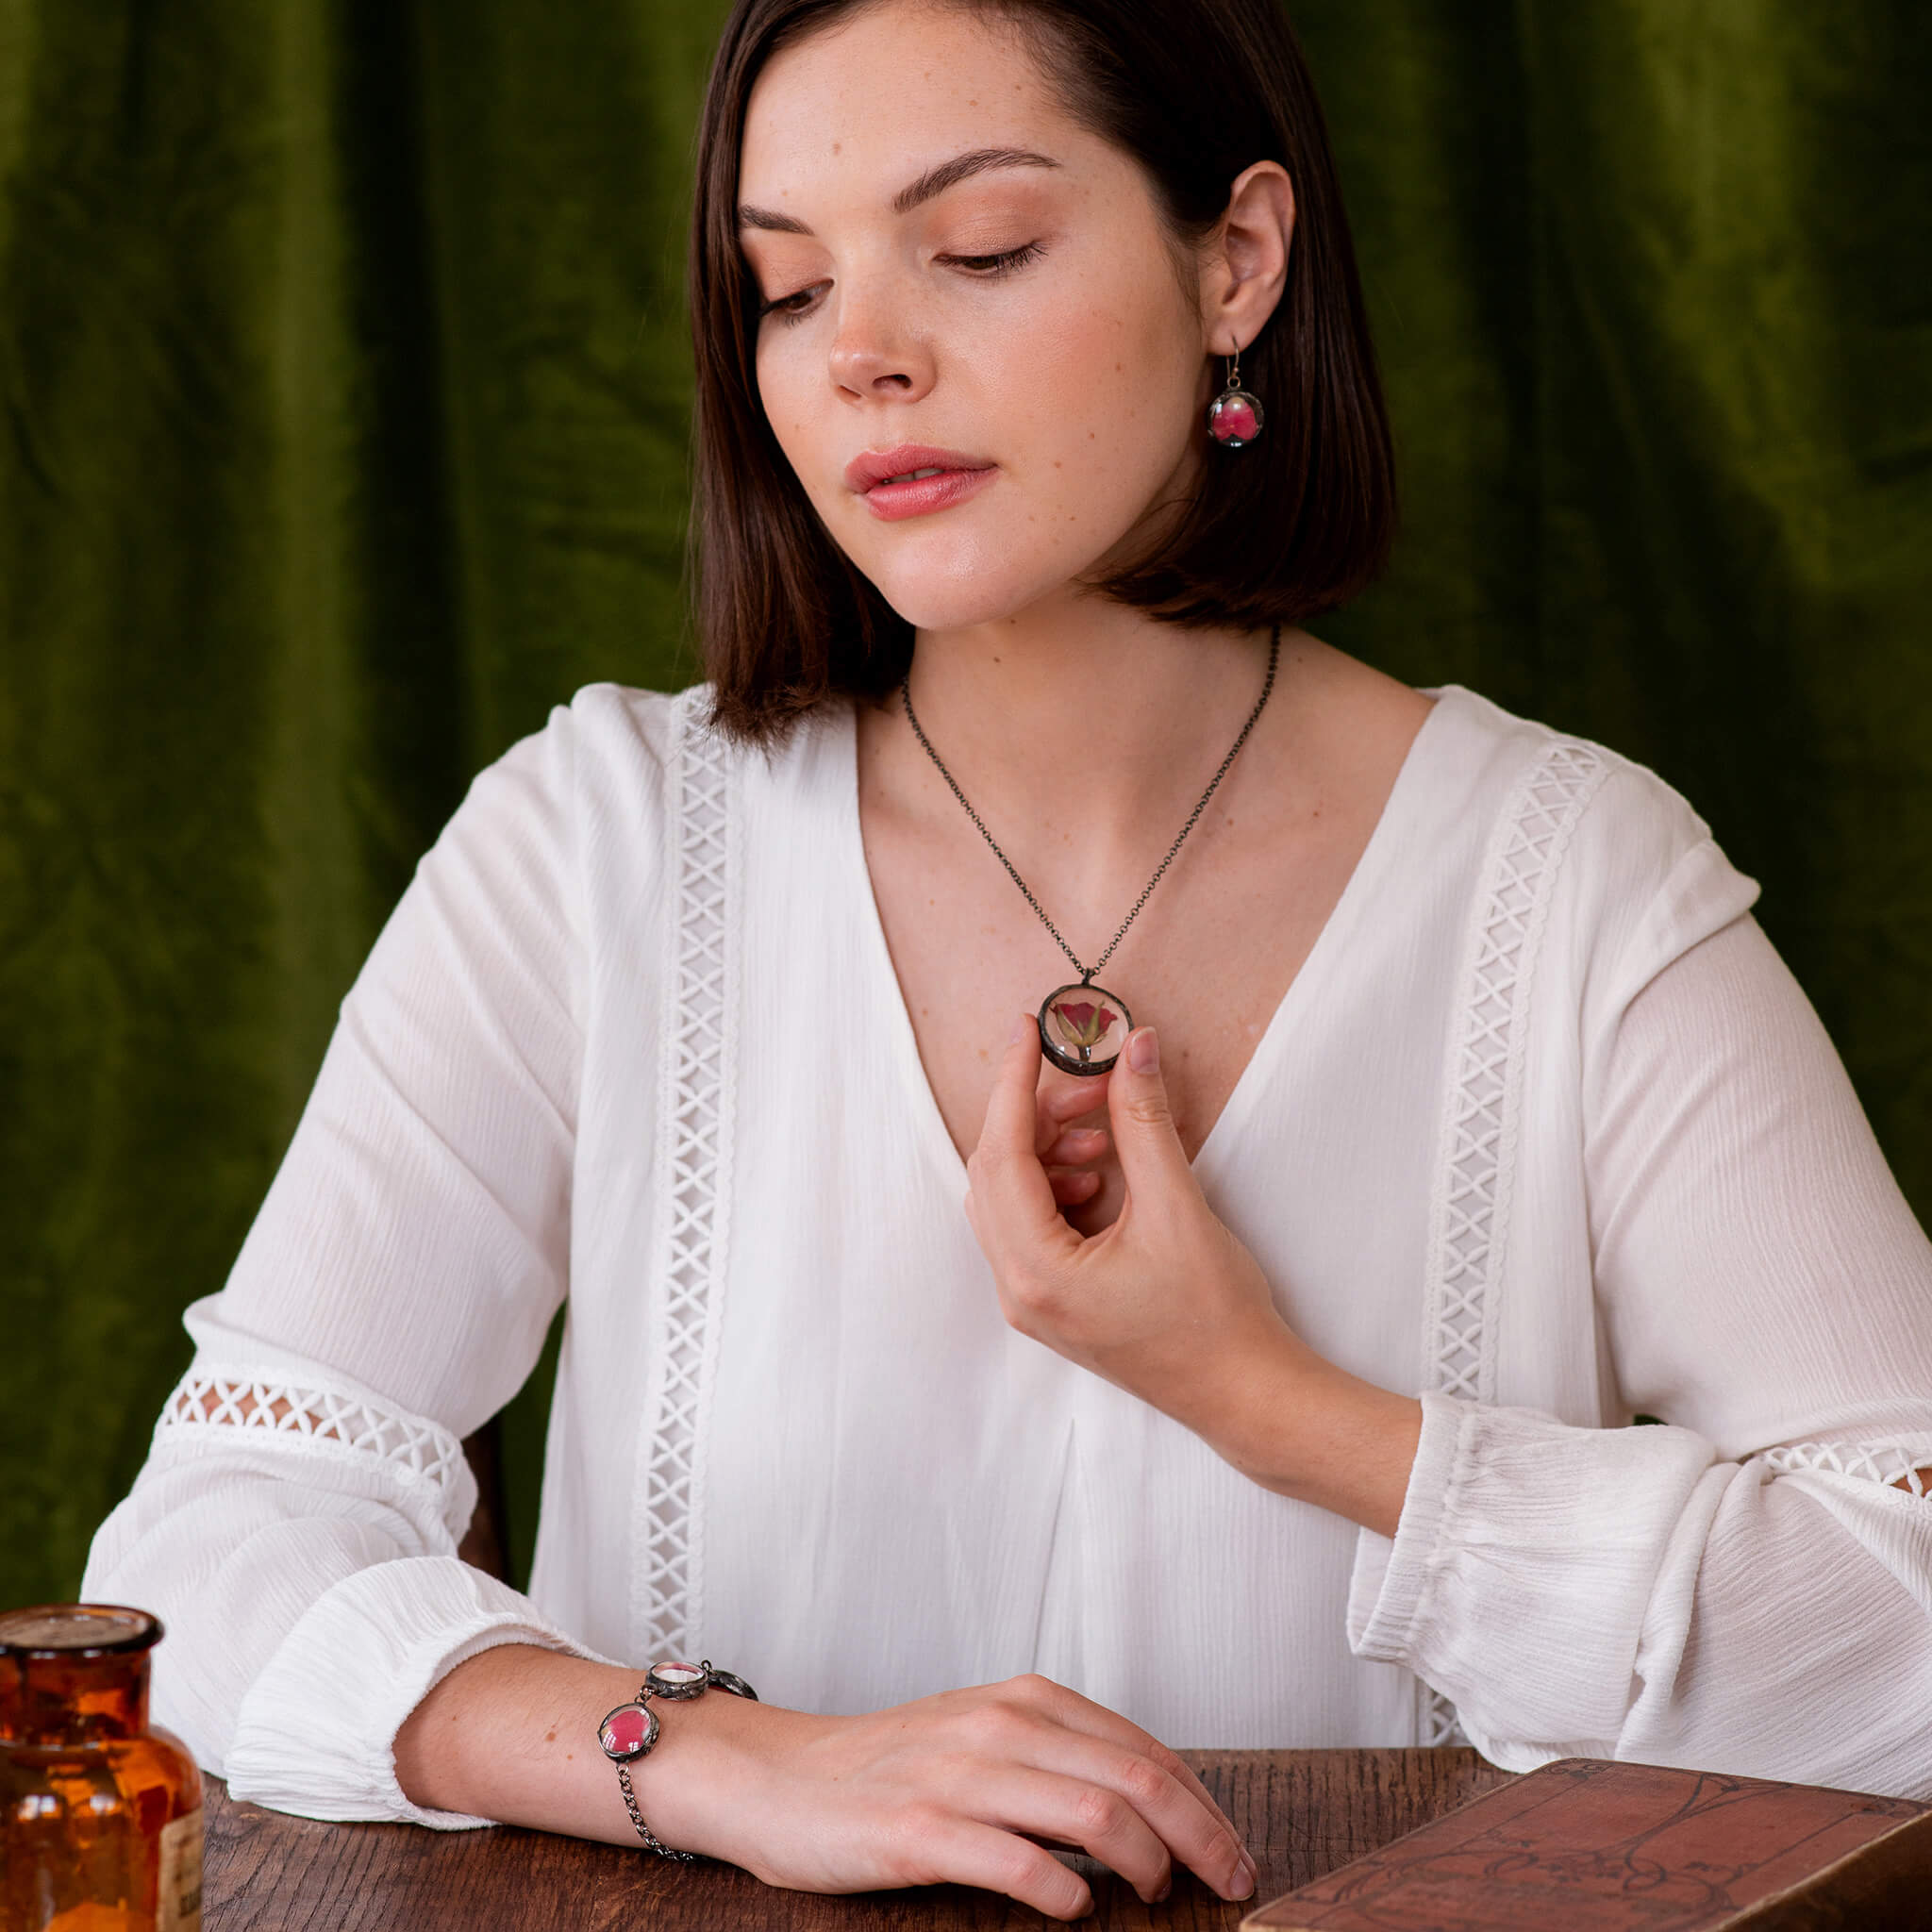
point(1119, 1175)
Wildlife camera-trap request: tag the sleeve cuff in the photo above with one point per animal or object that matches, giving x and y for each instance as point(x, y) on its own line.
point(1387, 1590)
point(1525, 1563)
point(316, 1732)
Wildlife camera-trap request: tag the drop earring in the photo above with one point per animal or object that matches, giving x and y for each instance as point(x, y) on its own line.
point(1234, 417)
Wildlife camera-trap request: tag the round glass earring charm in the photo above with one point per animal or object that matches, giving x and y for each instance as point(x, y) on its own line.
point(1234, 417)
point(1083, 1027)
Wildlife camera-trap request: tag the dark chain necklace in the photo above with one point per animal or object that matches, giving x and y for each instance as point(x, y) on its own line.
point(1087, 1033)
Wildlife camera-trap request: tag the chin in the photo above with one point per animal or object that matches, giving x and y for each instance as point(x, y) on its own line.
point(952, 605)
point(952, 595)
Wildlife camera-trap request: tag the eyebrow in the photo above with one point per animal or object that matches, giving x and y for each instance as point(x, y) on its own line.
point(935, 181)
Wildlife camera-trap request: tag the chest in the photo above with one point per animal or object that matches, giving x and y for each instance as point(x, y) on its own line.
point(1208, 960)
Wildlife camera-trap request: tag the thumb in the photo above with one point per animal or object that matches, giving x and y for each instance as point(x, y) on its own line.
point(1144, 1136)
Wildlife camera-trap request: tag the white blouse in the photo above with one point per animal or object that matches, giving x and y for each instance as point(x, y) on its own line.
point(1543, 1131)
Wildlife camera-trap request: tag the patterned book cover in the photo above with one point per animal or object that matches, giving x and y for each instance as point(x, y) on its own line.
point(1588, 1844)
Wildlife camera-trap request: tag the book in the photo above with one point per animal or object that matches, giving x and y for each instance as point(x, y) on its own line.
point(1591, 1844)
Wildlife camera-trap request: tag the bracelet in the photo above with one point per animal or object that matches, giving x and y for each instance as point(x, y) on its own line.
point(630, 1730)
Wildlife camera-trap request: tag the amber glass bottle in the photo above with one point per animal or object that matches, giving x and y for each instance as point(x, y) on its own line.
point(102, 1825)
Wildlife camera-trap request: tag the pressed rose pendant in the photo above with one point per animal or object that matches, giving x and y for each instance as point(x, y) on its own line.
point(1083, 1027)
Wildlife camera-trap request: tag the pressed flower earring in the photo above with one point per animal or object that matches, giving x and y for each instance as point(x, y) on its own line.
point(1234, 417)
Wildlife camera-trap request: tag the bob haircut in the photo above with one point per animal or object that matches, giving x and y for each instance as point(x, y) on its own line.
point(1195, 91)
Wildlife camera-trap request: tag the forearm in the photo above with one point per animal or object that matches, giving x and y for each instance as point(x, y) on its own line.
point(511, 1734)
point(1302, 1427)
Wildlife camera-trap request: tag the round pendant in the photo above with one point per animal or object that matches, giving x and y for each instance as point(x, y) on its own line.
point(1234, 418)
point(1083, 1027)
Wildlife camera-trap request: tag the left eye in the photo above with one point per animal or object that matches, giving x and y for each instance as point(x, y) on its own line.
point(996, 264)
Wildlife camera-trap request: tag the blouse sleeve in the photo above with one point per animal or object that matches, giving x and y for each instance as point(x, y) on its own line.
point(1747, 1588)
point(296, 1523)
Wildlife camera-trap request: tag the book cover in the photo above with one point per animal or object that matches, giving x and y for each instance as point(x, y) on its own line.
point(1591, 1844)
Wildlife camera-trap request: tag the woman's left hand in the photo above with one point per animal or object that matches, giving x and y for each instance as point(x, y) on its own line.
point(1165, 1303)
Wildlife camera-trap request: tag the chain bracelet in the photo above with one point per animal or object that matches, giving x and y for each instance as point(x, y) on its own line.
point(631, 1730)
point(1086, 972)
point(652, 1841)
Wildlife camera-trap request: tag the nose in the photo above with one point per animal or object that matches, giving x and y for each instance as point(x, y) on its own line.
point(874, 354)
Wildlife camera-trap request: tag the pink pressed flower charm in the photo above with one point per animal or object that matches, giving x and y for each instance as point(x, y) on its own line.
point(1083, 1027)
point(1234, 418)
point(1083, 1021)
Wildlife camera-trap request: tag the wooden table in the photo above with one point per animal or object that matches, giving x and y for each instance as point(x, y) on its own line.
point(1301, 1812)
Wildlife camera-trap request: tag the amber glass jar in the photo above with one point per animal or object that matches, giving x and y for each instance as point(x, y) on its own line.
point(102, 1828)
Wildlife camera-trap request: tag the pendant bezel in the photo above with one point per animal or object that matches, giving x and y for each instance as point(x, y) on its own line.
point(1068, 1056)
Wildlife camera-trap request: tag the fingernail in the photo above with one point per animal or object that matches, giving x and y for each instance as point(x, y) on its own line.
point(1020, 1027)
point(1166, 1891)
point(1143, 1052)
point(1243, 1884)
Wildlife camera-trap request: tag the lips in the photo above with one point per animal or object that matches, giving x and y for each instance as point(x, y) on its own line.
point(871, 468)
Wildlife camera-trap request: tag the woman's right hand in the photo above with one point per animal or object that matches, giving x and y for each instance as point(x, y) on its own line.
point(970, 1787)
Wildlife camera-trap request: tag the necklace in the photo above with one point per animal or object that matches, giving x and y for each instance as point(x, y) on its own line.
point(1083, 1026)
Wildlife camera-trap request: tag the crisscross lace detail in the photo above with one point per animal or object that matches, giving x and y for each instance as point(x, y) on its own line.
point(1484, 1094)
point(697, 1090)
point(1878, 1462)
point(204, 1399)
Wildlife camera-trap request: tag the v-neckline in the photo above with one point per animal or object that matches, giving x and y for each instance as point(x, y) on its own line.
point(1343, 916)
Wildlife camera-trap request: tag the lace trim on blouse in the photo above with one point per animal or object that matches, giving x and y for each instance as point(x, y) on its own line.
point(234, 1399)
point(311, 1419)
point(696, 1094)
point(1471, 1212)
point(1889, 1463)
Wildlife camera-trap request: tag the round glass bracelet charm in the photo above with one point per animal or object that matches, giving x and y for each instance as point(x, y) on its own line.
point(1083, 1027)
point(731, 1681)
point(1234, 418)
point(628, 1732)
point(676, 1680)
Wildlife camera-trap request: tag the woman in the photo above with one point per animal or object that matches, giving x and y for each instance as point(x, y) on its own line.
point(1420, 1099)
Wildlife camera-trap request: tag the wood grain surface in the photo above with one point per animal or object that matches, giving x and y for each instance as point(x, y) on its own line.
point(1302, 1813)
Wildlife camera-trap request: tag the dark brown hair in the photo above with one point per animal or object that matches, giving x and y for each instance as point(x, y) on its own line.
point(1195, 91)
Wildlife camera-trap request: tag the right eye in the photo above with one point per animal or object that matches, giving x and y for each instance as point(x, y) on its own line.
point(791, 307)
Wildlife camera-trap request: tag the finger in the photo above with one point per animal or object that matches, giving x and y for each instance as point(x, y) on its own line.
point(1082, 1714)
point(1076, 1145)
point(1071, 1188)
point(1011, 1193)
point(1144, 1136)
point(1167, 1801)
point(964, 1851)
point(1065, 1097)
point(1081, 1814)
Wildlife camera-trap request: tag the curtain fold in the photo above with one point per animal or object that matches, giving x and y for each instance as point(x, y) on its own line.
point(343, 418)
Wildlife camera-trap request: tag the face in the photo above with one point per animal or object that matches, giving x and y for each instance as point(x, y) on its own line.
point(1022, 329)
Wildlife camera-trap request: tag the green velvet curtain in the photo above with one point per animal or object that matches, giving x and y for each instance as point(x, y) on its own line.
point(342, 427)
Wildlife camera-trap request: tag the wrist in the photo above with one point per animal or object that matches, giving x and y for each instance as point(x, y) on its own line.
point(698, 1787)
point(1295, 1423)
point(511, 1734)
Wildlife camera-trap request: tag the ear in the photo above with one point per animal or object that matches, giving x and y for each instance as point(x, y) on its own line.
point(1245, 265)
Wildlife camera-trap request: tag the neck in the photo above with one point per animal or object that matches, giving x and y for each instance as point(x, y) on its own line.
point(1088, 721)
